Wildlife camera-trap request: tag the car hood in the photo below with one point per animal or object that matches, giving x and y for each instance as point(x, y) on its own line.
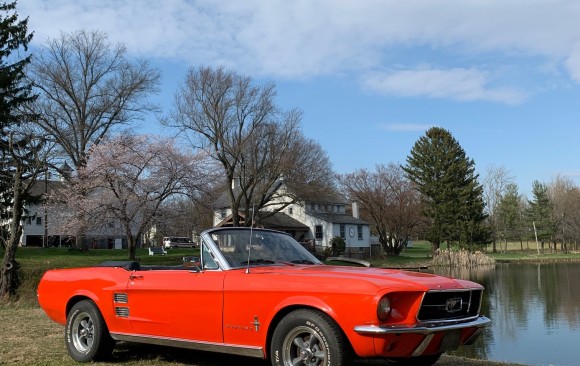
point(376, 277)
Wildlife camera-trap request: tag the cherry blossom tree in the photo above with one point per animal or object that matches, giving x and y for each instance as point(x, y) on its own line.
point(124, 183)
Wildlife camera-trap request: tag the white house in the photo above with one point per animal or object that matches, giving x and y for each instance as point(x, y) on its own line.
point(313, 221)
point(42, 226)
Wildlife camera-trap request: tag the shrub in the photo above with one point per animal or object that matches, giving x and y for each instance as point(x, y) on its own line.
point(460, 258)
point(338, 245)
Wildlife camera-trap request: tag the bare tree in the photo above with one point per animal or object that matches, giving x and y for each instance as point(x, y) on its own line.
point(281, 167)
point(239, 125)
point(564, 197)
point(495, 184)
point(126, 180)
point(87, 88)
point(388, 200)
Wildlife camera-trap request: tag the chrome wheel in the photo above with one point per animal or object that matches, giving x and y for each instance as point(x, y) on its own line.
point(304, 346)
point(86, 334)
point(308, 337)
point(83, 330)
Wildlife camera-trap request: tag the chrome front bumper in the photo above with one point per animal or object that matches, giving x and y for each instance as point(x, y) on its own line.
point(429, 330)
point(421, 328)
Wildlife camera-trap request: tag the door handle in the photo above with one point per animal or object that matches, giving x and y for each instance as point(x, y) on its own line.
point(134, 276)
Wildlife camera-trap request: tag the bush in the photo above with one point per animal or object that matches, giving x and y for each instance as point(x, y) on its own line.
point(338, 245)
point(460, 258)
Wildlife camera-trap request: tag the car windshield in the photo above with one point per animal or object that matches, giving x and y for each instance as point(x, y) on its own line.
point(241, 247)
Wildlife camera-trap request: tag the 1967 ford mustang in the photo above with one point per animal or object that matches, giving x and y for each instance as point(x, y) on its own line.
point(259, 293)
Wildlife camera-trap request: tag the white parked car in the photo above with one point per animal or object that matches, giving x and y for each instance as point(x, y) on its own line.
point(178, 242)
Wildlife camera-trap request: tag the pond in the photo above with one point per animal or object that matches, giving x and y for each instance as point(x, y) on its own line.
point(535, 312)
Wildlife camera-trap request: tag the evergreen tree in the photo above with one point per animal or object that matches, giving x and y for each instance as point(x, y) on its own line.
point(15, 92)
point(509, 214)
point(452, 197)
point(540, 212)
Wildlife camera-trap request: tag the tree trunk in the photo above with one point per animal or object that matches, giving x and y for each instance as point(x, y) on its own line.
point(9, 271)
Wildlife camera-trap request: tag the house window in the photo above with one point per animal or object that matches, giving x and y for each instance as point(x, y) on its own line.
point(39, 221)
point(343, 231)
point(318, 232)
point(360, 232)
point(222, 214)
point(290, 211)
point(28, 221)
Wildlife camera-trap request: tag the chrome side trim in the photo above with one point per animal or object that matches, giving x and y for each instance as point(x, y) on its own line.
point(257, 352)
point(421, 328)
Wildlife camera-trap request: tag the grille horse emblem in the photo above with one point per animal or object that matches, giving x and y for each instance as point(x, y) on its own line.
point(454, 305)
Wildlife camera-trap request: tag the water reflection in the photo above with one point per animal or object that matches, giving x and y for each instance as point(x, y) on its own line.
point(535, 312)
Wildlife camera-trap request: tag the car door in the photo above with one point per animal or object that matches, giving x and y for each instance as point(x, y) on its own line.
point(177, 303)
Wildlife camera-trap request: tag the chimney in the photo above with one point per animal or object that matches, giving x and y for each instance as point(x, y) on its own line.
point(355, 210)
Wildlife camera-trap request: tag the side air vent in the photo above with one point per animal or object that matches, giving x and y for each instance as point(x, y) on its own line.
point(120, 298)
point(122, 312)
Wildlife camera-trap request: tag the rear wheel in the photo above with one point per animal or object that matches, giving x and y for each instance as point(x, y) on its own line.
point(86, 334)
point(308, 337)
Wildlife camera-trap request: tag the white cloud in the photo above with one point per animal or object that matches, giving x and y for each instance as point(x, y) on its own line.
point(457, 84)
point(573, 64)
point(308, 38)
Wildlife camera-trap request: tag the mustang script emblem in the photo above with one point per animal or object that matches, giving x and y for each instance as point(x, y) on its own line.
point(454, 305)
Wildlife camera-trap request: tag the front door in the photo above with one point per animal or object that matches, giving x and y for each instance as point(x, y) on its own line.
point(179, 304)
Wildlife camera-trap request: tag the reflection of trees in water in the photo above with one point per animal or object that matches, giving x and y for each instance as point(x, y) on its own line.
point(481, 348)
point(514, 293)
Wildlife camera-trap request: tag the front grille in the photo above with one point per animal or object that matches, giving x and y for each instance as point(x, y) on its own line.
point(122, 312)
point(449, 305)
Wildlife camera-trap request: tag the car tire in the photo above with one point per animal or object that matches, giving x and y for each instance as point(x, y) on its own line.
point(427, 360)
point(86, 335)
point(312, 336)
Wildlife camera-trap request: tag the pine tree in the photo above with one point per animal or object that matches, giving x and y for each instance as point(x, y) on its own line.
point(451, 195)
point(540, 212)
point(15, 91)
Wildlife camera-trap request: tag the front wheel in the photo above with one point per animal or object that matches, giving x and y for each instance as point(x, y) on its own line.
point(86, 334)
point(308, 338)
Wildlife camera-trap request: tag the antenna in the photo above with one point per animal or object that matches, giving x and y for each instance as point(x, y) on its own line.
point(251, 234)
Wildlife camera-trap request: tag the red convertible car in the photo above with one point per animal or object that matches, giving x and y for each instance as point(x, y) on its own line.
point(259, 293)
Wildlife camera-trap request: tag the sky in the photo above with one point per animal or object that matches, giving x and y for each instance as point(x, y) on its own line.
point(503, 76)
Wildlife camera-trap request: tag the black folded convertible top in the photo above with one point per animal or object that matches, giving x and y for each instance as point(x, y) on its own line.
point(128, 265)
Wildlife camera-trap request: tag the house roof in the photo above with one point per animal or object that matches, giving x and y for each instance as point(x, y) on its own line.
point(281, 221)
point(278, 221)
point(311, 197)
point(339, 218)
point(39, 187)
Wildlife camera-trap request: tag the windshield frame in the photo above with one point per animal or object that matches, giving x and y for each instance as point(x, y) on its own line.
point(284, 246)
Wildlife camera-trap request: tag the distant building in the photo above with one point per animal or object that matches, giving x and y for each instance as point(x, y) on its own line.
point(313, 222)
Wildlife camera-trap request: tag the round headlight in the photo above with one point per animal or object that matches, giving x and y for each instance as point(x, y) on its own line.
point(384, 309)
